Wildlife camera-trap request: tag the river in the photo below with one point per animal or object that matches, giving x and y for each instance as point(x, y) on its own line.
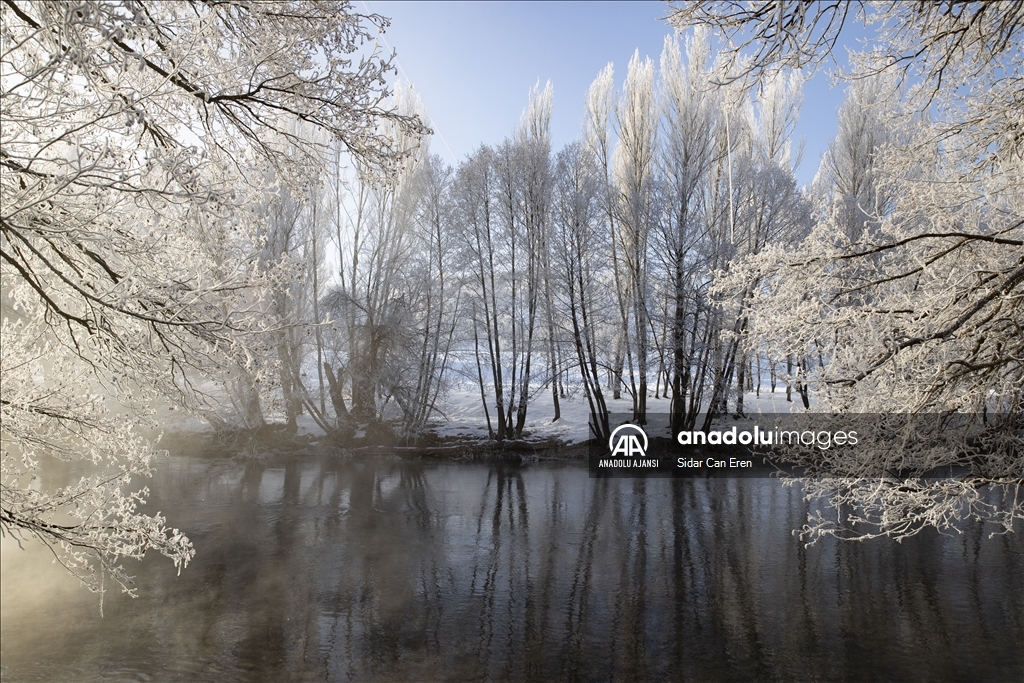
point(320, 568)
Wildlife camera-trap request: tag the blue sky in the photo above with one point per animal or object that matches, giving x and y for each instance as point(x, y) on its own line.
point(473, 65)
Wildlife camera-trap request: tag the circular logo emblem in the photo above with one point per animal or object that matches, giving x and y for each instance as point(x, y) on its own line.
point(629, 440)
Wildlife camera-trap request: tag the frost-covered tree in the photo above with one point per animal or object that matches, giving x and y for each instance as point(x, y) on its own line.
point(597, 136)
point(433, 287)
point(690, 159)
point(847, 182)
point(699, 175)
point(502, 199)
point(921, 313)
point(633, 180)
point(395, 303)
point(474, 204)
point(135, 144)
point(769, 209)
point(580, 258)
point(370, 302)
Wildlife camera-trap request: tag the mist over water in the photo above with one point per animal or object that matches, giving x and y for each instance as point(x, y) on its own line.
point(320, 568)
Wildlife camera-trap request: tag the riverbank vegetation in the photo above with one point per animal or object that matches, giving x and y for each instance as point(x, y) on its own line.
point(226, 209)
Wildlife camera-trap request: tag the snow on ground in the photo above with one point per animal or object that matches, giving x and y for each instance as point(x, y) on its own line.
point(463, 414)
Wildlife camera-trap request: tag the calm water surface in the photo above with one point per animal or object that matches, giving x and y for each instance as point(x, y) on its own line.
point(325, 569)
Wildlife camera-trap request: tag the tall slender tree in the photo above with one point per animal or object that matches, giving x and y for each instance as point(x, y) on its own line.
point(637, 117)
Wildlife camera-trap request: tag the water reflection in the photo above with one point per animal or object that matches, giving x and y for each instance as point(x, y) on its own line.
point(386, 570)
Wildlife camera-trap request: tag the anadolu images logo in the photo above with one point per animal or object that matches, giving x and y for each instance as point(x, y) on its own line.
point(626, 439)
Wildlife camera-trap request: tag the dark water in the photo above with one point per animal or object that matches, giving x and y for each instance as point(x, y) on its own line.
point(387, 570)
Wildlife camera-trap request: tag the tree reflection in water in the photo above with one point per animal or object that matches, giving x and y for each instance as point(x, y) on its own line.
point(389, 569)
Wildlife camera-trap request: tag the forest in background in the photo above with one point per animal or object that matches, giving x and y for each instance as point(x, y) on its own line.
point(527, 269)
point(225, 209)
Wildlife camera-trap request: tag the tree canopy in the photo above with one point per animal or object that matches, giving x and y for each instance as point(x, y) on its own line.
point(139, 140)
point(910, 289)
